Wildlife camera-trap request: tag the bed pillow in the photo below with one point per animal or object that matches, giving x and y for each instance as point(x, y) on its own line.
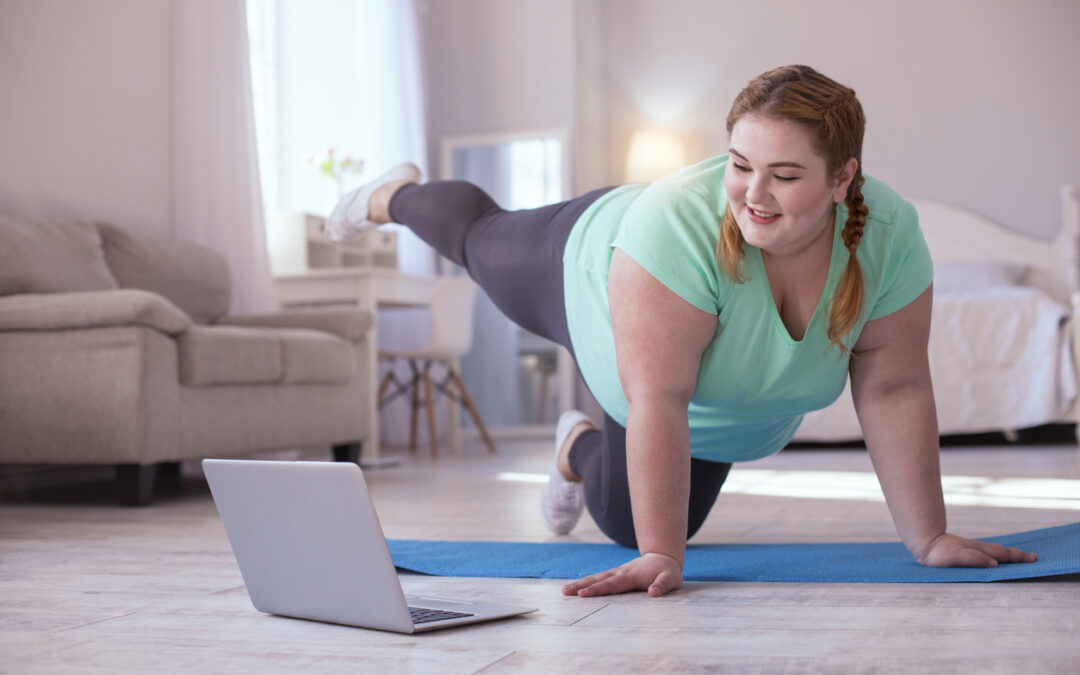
point(965, 277)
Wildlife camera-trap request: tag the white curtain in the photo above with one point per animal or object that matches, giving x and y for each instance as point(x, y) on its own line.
point(341, 74)
point(388, 60)
point(216, 199)
point(389, 65)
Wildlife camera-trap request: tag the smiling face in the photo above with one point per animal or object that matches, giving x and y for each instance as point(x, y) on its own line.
point(779, 188)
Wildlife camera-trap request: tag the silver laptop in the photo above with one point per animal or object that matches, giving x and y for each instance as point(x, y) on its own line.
point(309, 545)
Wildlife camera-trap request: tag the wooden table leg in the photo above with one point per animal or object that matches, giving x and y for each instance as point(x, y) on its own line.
point(429, 403)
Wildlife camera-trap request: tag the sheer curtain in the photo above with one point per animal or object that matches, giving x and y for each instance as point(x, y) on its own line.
point(340, 74)
point(216, 198)
point(389, 68)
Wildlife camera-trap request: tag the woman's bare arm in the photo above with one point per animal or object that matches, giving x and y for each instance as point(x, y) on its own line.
point(659, 340)
point(894, 399)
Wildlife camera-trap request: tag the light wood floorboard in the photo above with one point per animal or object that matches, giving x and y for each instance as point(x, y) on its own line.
point(86, 586)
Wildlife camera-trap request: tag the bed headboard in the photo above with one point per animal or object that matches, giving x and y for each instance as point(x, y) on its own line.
point(957, 235)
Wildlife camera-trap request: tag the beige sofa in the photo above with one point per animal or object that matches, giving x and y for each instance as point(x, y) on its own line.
point(115, 348)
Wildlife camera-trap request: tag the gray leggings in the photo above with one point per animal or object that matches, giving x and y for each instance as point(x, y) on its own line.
point(516, 257)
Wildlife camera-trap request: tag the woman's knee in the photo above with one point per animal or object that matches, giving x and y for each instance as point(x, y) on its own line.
point(618, 527)
point(621, 536)
point(693, 526)
point(624, 535)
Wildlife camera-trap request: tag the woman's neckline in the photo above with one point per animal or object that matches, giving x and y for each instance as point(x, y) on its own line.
point(774, 310)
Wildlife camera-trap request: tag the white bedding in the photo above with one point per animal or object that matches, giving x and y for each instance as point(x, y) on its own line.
point(1000, 360)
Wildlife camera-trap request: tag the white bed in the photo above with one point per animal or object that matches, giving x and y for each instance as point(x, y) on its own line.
point(1005, 327)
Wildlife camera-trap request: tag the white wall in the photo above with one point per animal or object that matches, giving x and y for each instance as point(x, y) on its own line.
point(972, 101)
point(84, 110)
point(496, 65)
point(975, 102)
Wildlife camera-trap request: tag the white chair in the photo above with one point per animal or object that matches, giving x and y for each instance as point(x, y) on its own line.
point(451, 304)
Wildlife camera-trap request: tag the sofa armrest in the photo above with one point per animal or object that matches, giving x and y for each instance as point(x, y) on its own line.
point(349, 323)
point(91, 309)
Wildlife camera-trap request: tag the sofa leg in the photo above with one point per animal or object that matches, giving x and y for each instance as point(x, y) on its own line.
point(135, 483)
point(170, 470)
point(347, 452)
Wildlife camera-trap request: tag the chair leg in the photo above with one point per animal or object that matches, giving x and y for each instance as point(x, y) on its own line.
point(384, 385)
point(135, 483)
point(473, 412)
point(429, 403)
point(347, 452)
point(414, 388)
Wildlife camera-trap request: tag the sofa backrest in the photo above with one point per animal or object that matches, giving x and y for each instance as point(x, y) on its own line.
point(194, 278)
point(52, 256)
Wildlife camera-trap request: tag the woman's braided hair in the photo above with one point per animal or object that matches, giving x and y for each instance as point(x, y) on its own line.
point(834, 119)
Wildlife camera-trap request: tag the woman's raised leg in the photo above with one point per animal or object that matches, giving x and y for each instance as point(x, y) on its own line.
point(515, 256)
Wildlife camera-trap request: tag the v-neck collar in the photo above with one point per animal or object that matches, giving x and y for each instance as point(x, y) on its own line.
point(830, 282)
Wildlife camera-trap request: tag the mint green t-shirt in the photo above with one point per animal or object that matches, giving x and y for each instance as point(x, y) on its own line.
point(755, 381)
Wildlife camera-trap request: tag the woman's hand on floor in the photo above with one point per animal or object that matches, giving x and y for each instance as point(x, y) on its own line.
point(949, 550)
point(653, 572)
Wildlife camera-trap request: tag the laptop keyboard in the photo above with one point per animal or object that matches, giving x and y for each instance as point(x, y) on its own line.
point(425, 615)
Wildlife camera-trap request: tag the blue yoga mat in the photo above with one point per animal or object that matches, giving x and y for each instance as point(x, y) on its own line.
point(1058, 549)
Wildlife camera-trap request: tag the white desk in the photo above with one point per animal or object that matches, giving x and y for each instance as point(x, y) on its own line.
point(368, 288)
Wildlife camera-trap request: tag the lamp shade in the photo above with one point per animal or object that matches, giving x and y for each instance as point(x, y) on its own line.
point(653, 154)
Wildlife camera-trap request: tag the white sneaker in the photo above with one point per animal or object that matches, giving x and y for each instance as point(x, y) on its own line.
point(563, 500)
point(350, 217)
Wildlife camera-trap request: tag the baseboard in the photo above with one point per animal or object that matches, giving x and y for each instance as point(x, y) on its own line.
point(534, 432)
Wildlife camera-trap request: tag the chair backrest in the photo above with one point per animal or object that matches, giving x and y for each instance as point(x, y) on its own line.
point(452, 301)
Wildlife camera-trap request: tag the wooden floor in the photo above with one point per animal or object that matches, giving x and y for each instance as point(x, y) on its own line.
point(86, 586)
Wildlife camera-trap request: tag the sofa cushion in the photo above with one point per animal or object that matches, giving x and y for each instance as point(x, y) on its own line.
point(224, 355)
point(312, 356)
point(91, 309)
point(50, 256)
point(219, 355)
point(350, 323)
point(193, 277)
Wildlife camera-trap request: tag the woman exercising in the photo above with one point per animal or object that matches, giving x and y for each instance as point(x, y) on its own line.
point(707, 312)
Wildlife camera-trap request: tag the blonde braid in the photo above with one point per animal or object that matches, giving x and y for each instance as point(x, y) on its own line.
point(729, 248)
point(847, 303)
